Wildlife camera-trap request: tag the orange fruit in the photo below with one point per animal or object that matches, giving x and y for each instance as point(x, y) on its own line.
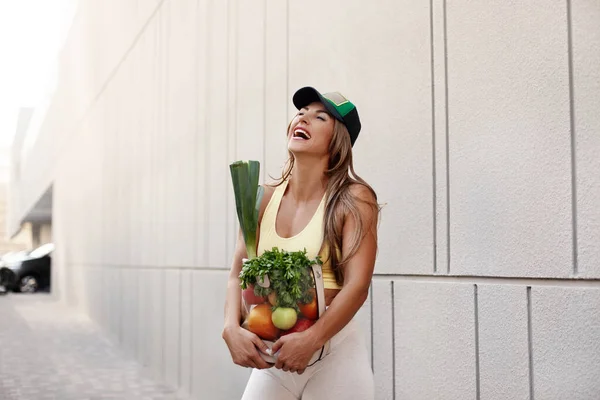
point(260, 323)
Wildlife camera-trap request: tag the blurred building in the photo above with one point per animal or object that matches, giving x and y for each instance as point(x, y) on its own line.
point(16, 236)
point(481, 135)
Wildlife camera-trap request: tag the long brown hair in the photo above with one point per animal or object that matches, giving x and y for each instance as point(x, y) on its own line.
point(340, 201)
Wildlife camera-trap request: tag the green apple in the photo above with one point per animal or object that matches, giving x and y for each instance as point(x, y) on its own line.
point(284, 317)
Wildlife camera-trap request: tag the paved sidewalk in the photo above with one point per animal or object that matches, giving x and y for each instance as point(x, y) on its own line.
point(48, 352)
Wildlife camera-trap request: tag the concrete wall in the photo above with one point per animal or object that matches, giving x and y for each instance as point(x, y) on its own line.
point(41, 234)
point(8, 243)
point(481, 136)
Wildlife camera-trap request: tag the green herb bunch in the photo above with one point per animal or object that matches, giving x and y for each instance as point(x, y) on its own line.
point(289, 273)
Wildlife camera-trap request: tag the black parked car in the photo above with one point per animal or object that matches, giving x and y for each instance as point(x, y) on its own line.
point(27, 272)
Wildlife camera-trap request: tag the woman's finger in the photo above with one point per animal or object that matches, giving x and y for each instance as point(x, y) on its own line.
point(300, 371)
point(277, 345)
point(260, 362)
point(250, 363)
point(261, 345)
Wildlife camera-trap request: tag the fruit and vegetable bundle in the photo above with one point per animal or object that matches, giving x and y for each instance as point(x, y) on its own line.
point(278, 293)
point(280, 289)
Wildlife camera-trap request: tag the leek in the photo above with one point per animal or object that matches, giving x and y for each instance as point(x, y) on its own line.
point(248, 196)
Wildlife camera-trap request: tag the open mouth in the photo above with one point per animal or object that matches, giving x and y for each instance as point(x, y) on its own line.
point(301, 134)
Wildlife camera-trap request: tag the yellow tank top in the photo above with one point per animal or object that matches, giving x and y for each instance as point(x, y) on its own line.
point(310, 238)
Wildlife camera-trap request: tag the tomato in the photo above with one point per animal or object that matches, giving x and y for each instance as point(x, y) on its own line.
point(310, 310)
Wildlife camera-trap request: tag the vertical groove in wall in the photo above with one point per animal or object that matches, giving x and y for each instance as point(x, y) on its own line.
point(180, 330)
point(155, 141)
point(433, 158)
point(150, 157)
point(191, 372)
point(164, 136)
point(235, 26)
point(371, 321)
point(139, 344)
point(207, 116)
point(136, 332)
point(163, 325)
point(157, 322)
point(195, 140)
point(121, 308)
point(264, 116)
point(447, 138)
point(477, 369)
point(573, 139)
point(103, 187)
point(393, 342)
point(227, 121)
point(530, 344)
point(198, 261)
point(235, 77)
point(287, 65)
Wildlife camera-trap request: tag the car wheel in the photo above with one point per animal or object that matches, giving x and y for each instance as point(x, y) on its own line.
point(28, 284)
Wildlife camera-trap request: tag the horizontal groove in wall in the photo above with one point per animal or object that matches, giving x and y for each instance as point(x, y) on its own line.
point(161, 267)
point(490, 280)
point(461, 279)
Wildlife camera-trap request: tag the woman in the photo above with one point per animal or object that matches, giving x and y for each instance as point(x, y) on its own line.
point(319, 204)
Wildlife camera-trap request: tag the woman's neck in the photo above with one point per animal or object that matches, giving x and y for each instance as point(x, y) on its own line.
point(308, 181)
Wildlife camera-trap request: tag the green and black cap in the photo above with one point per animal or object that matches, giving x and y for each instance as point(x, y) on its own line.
point(340, 107)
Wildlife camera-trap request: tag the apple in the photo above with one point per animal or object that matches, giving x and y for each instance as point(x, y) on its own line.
point(284, 317)
point(302, 325)
point(251, 298)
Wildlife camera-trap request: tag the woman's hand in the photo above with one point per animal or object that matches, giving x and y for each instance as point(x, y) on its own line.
point(244, 347)
point(295, 351)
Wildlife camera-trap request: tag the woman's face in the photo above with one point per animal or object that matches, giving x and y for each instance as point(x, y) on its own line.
point(311, 130)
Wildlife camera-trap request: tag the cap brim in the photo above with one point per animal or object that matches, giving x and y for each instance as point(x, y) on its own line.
point(307, 95)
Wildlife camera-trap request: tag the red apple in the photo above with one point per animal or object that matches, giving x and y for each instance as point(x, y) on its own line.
point(250, 298)
point(302, 325)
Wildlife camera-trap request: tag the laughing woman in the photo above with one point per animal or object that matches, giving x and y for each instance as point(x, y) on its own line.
point(320, 204)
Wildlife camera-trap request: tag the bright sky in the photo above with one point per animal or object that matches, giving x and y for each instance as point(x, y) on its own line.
point(31, 35)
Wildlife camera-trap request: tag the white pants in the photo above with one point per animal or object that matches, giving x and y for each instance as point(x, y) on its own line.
point(344, 374)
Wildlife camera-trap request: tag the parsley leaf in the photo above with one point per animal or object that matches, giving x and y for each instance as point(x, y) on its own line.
point(289, 273)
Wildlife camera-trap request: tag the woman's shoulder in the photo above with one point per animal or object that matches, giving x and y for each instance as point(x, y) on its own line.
point(362, 192)
point(365, 201)
point(269, 189)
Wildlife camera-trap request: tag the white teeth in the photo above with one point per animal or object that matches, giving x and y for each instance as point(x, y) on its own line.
point(301, 133)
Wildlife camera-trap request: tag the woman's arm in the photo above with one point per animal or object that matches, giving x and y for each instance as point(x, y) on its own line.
point(233, 298)
point(358, 273)
point(243, 344)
